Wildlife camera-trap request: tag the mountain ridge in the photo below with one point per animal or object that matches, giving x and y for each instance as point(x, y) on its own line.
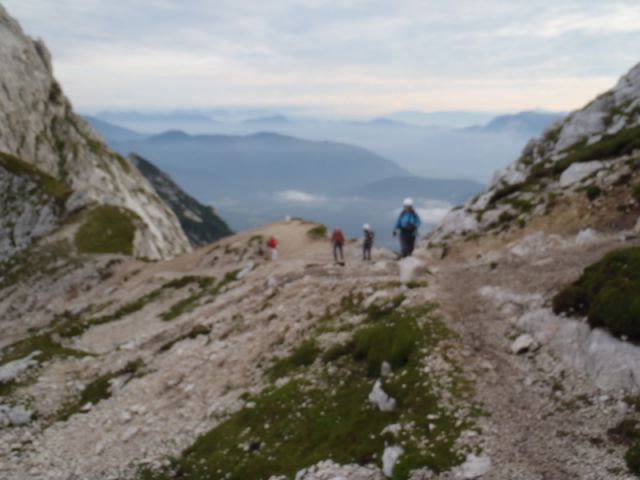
point(200, 223)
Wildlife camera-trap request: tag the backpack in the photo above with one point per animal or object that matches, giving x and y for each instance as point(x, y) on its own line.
point(338, 237)
point(368, 237)
point(272, 243)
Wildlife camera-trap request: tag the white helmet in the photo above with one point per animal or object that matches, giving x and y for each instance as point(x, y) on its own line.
point(366, 226)
point(408, 202)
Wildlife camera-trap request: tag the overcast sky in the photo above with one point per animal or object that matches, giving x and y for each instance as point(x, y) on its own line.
point(351, 56)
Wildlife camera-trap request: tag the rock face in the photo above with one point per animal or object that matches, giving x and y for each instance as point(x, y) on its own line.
point(200, 222)
point(594, 150)
point(28, 210)
point(38, 127)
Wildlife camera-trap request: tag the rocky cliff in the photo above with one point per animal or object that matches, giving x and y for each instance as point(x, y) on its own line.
point(590, 160)
point(200, 222)
point(40, 131)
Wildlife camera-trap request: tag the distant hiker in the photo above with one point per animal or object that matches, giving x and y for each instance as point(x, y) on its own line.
point(337, 239)
point(273, 246)
point(367, 244)
point(408, 224)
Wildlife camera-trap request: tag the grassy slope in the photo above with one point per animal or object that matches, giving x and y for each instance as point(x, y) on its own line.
point(323, 412)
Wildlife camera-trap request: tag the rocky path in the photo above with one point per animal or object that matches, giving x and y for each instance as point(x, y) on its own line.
point(545, 420)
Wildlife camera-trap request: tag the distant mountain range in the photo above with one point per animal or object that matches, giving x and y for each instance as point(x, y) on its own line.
point(529, 124)
point(260, 163)
point(274, 119)
point(436, 144)
point(253, 179)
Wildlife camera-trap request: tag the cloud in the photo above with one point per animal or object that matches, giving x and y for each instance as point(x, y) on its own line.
point(364, 56)
point(298, 196)
point(432, 211)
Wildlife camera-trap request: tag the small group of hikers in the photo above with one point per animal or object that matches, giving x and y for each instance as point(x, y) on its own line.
point(406, 227)
point(337, 240)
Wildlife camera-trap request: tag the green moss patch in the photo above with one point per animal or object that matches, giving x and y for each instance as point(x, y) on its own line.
point(319, 232)
point(107, 229)
point(607, 293)
point(206, 288)
point(302, 356)
point(99, 389)
point(69, 325)
point(193, 333)
point(611, 146)
point(632, 459)
point(627, 432)
point(50, 185)
point(325, 413)
point(592, 192)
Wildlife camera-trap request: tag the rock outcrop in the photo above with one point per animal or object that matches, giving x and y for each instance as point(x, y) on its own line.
point(591, 152)
point(38, 127)
point(200, 222)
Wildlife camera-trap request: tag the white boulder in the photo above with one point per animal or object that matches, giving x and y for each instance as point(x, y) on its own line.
point(329, 470)
point(380, 398)
point(14, 415)
point(390, 458)
point(578, 172)
point(609, 363)
point(587, 236)
point(474, 467)
point(410, 268)
point(522, 344)
point(12, 370)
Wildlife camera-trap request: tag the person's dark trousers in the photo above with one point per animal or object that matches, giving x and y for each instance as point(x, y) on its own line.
point(337, 247)
point(407, 243)
point(366, 252)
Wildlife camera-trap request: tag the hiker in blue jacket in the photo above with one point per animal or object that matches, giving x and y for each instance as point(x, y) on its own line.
point(407, 224)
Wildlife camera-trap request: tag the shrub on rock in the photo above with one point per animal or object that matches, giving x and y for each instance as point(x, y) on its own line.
point(607, 294)
point(632, 458)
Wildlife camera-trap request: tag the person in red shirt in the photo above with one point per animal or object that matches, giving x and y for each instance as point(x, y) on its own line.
point(337, 239)
point(273, 246)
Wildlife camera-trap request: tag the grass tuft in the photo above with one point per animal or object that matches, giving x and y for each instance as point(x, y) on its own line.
point(319, 232)
point(193, 333)
point(107, 229)
point(99, 389)
point(303, 356)
point(592, 192)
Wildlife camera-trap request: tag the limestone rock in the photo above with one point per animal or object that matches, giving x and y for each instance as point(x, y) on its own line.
point(380, 398)
point(522, 344)
point(578, 172)
point(329, 470)
point(38, 127)
point(410, 267)
point(12, 370)
point(474, 467)
point(14, 415)
point(390, 458)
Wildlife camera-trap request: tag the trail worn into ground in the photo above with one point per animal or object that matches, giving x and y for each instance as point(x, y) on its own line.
point(546, 421)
